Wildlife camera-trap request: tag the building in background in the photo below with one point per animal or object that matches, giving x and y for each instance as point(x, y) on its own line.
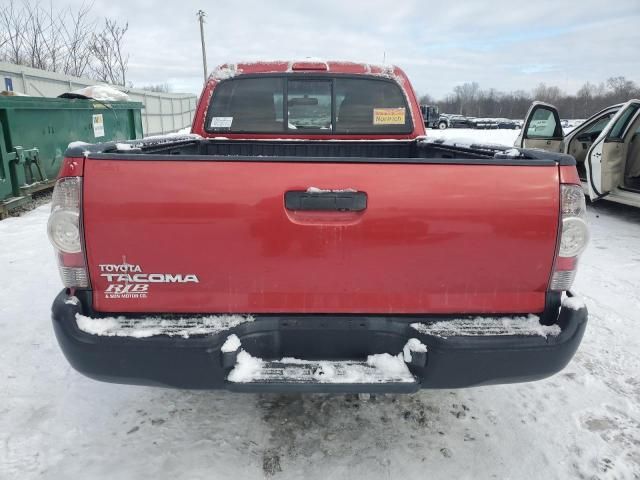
point(162, 113)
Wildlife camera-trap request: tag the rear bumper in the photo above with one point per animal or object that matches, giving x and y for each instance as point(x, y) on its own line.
point(198, 363)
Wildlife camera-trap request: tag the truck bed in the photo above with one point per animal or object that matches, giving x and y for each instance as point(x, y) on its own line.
point(380, 151)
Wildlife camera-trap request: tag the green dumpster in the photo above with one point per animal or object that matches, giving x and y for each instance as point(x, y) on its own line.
point(35, 132)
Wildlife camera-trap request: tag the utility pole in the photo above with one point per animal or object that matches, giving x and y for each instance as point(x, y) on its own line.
point(201, 16)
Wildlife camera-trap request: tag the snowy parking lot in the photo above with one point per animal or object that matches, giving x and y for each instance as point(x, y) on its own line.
point(582, 423)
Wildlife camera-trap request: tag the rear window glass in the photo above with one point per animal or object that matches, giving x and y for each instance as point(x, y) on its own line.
point(309, 104)
point(293, 104)
point(370, 106)
point(248, 105)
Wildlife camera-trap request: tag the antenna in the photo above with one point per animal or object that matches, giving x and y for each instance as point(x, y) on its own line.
point(201, 14)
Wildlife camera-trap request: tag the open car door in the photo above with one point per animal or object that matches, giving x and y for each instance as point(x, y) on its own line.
point(606, 159)
point(542, 129)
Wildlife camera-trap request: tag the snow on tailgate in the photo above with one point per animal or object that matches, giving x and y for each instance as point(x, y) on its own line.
point(486, 326)
point(151, 326)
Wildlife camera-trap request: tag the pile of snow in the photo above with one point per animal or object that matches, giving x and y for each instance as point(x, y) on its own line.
point(103, 93)
point(225, 72)
point(413, 345)
point(231, 344)
point(511, 152)
point(77, 144)
point(173, 136)
point(390, 365)
point(488, 326)
point(157, 140)
point(246, 369)
point(152, 326)
point(72, 300)
point(324, 190)
point(128, 146)
point(573, 303)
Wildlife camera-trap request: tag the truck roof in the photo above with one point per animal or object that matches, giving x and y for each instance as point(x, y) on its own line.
point(229, 70)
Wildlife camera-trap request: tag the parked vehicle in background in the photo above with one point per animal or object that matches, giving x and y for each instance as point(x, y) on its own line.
point(448, 120)
point(310, 238)
point(430, 115)
point(484, 123)
point(507, 124)
point(494, 123)
point(606, 147)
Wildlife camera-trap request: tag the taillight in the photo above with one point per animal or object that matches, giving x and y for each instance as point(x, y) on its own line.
point(65, 234)
point(574, 236)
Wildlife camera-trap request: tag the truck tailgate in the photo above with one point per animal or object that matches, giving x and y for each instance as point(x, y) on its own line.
point(215, 236)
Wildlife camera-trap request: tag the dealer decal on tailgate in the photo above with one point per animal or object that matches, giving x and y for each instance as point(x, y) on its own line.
point(126, 280)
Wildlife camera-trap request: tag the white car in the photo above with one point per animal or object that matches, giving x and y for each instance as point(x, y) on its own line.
point(606, 147)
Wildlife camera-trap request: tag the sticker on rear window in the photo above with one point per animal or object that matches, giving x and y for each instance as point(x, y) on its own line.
point(388, 116)
point(221, 122)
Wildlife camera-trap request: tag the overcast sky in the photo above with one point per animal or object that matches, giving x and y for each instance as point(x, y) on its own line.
point(507, 45)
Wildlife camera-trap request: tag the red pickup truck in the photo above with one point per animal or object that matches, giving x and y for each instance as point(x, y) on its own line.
point(311, 238)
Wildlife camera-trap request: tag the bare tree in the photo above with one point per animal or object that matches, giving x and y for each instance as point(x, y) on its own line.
point(33, 34)
point(110, 62)
point(622, 88)
point(545, 93)
point(427, 100)
point(466, 95)
point(469, 99)
point(13, 24)
point(77, 35)
point(53, 42)
point(66, 41)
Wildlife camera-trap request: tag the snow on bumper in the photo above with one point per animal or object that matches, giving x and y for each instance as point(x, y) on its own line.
point(488, 326)
point(189, 357)
point(151, 326)
point(378, 368)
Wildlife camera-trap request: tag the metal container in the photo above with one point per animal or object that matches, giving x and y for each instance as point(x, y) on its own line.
point(35, 132)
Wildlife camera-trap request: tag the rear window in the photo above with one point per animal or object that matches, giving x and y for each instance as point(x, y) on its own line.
point(291, 104)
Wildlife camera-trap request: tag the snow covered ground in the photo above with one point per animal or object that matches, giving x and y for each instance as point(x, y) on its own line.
point(581, 423)
point(465, 135)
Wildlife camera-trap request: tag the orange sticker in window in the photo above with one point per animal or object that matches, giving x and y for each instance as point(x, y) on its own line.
point(388, 116)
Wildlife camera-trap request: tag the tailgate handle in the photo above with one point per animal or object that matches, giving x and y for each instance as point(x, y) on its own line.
point(325, 201)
